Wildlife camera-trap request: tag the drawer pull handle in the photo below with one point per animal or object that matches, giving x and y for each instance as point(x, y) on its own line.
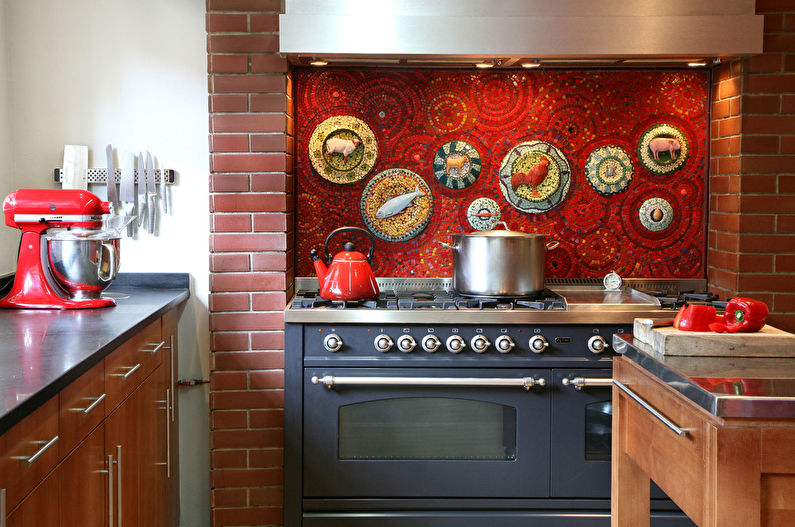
point(156, 348)
point(2, 507)
point(130, 371)
point(40, 452)
point(110, 490)
point(330, 381)
point(94, 404)
point(584, 382)
point(653, 411)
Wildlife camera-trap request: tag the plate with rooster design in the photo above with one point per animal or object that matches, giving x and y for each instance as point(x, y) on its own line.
point(535, 177)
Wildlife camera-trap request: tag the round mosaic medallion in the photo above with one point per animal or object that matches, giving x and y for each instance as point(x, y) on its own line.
point(535, 176)
point(663, 149)
point(342, 149)
point(608, 169)
point(656, 214)
point(483, 214)
point(396, 205)
point(457, 164)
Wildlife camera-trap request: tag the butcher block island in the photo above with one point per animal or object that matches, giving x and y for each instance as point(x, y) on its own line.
point(88, 417)
point(717, 434)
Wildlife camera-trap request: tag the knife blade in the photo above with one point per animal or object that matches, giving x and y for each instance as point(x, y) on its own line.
point(141, 189)
point(111, 178)
point(127, 187)
point(163, 198)
point(151, 193)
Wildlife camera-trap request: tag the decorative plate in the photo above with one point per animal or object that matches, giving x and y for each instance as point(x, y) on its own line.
point(663, 149)
point(609, 170)
point(656, 214)
point(535, 176)
point(396, 205)
point(457, 164)
point(483, 214)
point(343, 149)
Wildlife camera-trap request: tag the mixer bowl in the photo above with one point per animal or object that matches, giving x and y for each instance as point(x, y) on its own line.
point(83, 263)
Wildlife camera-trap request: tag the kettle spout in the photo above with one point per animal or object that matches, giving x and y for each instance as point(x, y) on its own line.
point(320, 267)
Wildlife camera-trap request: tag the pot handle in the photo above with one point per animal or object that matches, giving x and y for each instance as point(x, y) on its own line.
point(112, 262)
point(552, 245)
point(447, 245)
point(349, 229)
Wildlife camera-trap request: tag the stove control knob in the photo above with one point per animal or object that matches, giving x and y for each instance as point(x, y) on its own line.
point(479, 343)
point(431, 343)
point(455, 344)
point(538, 344)
point(597, 344)
point(406, 343)
point(383, 343)
point(504, 344)
point(332, 342)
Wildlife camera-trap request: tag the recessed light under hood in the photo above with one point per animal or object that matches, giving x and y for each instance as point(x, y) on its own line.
point(461, 33)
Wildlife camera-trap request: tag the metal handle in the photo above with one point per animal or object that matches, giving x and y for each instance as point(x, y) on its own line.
point(130, 371)
point(679, 431)
point(448, 246)
point(157, 347)
point(168, 433)
point(118, 486)
point(112, 257)
point(93, 405)
point(2, 507)
point(523, 382)
point(110, 490)
point(583, 382)
point(173, 377)
point(552, 245)
point(333, 233)
point(40, 452)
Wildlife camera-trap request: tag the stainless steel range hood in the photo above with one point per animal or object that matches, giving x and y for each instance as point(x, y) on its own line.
point(512, 32)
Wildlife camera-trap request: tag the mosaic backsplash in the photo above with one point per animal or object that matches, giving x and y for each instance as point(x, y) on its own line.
point(611, 164)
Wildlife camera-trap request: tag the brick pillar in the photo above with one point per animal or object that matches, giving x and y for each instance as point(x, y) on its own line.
point(752, 171)
point(251, 261)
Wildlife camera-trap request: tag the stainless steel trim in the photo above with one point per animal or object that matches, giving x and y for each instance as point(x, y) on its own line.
point(168, 433)
point(679, 431)
point(330, 381)
point(173, 378)
point(40, 452)
point(118, 486)
point(157, 347)
point(3, 508)
point(584, 382)
point(110, 490)
point(91, 406)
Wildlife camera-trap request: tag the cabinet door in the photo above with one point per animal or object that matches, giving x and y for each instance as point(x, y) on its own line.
point(83, 478)
point(40, 507)
point(153, 448)
point(123, 433)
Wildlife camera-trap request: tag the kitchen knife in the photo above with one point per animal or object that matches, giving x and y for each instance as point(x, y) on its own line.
point(163, 199)
point(151, 193)
point(141, 189)
point(111, 179)
point(127, 187)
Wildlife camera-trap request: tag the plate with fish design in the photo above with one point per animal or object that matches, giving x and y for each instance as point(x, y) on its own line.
point(396, 205)
point(343, 149)
point(535, 177)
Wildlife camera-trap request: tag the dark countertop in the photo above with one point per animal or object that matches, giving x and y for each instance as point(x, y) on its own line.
point(742, 387)
point(42, 350)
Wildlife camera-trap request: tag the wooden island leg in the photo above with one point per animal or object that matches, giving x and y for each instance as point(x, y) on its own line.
point(629, 499)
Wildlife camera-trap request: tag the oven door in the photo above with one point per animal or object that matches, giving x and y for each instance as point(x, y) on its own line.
point(425, 433)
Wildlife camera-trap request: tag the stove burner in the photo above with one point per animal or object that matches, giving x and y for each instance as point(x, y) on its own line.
point(669, 301)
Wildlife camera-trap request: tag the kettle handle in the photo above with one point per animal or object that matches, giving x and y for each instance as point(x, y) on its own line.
point(350, 229)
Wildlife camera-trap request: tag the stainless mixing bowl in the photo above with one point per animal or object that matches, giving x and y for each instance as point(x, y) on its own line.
point(83, 263)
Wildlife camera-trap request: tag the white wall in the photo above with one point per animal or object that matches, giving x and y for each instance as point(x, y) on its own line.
point(8, 238)
point(133, 74)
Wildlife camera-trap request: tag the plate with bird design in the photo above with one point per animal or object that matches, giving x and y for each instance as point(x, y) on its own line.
point(535, 177)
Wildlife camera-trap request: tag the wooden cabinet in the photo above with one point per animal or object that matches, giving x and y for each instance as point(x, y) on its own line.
point(719, 471)
point(101, 452)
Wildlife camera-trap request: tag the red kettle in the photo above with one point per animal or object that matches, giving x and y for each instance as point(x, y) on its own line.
point(349, 275)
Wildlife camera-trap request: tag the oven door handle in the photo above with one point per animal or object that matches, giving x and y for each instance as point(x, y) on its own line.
point(330, 381)
point(584, 382)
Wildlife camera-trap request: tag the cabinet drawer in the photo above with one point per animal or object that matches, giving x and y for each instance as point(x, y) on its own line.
point(28, 452)
point(674, 462)
point(82, 407)
point(128, 366)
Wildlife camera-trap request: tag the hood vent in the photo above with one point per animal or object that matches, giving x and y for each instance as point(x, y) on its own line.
point(509, 33)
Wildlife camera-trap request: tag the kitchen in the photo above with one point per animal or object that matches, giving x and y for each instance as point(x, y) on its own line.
point(248, 278)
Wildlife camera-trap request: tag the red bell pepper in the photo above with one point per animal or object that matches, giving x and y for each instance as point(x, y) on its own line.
point(694, 317)
point(745, 315)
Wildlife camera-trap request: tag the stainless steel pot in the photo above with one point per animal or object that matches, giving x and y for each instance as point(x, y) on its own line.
point(83, 263)
point(499, 263)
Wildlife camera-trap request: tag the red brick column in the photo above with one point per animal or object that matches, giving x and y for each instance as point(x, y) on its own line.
point(752, 172)
point(250, 258)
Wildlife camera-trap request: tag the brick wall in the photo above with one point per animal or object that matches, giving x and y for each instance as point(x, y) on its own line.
point(250, 257)
point(752, 173)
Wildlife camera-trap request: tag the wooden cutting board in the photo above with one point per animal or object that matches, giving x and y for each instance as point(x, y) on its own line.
point(767, 342)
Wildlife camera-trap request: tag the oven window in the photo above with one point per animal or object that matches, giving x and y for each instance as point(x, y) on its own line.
point(427, 428)
point(598, 427)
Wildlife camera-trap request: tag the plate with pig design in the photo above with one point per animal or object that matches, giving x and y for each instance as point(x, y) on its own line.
point(343, 149)
point(663, 149)
point(535, 177)
point(396, 205)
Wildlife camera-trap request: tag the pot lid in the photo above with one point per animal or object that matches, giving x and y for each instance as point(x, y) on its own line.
point(503, 233)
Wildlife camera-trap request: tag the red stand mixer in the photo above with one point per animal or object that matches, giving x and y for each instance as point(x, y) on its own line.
point(65, 258)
